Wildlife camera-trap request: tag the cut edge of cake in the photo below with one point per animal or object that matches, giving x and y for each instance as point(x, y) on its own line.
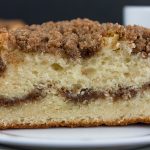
point(74, 73)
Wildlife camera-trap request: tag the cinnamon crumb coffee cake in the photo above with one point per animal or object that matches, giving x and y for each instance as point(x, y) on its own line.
point(74, 73)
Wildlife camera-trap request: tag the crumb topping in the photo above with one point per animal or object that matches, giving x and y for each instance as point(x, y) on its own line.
point(79, 38)
point(11, 24)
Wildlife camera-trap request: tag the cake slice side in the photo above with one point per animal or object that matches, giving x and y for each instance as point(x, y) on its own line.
point(74, 73)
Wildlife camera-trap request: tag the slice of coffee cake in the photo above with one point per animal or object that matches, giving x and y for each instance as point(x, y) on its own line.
point(74, 73)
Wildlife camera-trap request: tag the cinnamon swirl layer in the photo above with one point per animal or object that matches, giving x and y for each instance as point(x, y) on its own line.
point(35, 95)
point(85, 96)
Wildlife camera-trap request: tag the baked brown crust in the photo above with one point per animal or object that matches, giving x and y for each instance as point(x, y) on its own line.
point(77, 123)
point(79, 38)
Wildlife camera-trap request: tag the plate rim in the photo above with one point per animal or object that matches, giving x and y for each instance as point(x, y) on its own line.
point(34, 142)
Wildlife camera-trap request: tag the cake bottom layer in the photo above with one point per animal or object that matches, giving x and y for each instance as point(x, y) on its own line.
point(54, 111)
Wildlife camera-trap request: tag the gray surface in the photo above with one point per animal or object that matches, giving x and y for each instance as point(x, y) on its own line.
point(5, 147)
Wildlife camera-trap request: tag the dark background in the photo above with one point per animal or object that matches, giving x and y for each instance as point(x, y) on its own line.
point(38, 11)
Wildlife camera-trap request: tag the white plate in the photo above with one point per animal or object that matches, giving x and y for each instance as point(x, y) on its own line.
point(102, 137)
